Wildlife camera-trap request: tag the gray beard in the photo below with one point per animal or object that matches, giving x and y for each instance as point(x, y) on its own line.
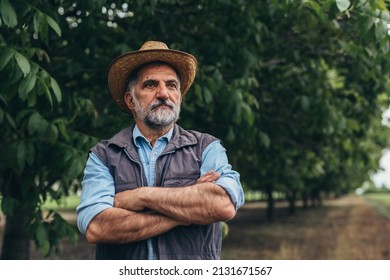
point(157, 118)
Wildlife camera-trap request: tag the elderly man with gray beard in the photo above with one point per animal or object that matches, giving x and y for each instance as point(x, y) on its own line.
point(155, 190)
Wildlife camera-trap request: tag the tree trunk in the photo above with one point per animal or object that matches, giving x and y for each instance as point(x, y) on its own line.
point(316, 199)
point(270, 203)
point(291, 203)
point(16, 240)
point(305, 200)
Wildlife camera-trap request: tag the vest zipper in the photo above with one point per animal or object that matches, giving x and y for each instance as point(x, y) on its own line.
point(139, 165)
point(165, 168)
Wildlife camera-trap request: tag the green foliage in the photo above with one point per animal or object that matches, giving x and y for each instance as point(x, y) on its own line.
point(375, 192)
point(51, 230)
point(68, 203)
point(43, 151)
point(295, 89)
point(343, 5)
point(8, 14)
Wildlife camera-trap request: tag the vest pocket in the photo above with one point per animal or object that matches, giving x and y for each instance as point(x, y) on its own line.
point(188, 180)
point(124, 186)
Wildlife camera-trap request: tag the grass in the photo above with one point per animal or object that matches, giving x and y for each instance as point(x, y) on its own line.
point(383, 197)
point(380, 201)
point(66, 203)
point(251, 195)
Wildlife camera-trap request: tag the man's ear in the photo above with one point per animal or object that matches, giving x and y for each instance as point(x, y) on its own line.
point(129, 100)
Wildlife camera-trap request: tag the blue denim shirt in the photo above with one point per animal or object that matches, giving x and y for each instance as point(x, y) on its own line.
point(148, 156)
point(98, 186)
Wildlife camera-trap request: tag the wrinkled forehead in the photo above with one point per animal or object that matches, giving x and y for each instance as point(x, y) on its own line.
point(158, 72)
point(149, 67)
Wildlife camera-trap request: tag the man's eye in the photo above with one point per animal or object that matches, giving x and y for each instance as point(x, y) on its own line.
point(172, 85)
point(149, 85)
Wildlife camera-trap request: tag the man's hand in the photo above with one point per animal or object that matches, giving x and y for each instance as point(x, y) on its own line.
point(129, 200)
point(132, 201)
point(202, 203)
point(209, 177)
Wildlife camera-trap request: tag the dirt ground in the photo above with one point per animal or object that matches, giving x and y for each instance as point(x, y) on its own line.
point(346, 228)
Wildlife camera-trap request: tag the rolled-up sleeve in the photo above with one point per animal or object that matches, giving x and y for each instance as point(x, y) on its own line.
point(214, 157)
point(98, 191)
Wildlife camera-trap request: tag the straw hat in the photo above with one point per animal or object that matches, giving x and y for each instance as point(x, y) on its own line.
point(121, 68)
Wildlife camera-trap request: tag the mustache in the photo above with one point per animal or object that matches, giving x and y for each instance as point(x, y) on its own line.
point(160, 102)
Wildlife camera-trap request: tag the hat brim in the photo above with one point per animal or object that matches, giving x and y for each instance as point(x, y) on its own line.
point(121, 68)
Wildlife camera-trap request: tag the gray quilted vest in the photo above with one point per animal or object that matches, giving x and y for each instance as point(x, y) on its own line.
point(178, 165)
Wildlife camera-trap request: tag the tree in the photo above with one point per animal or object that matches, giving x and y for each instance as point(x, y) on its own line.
point(41, 154)
point(321, 97)
point(294, 89)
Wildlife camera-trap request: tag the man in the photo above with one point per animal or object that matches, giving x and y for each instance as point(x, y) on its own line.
point(155, 190)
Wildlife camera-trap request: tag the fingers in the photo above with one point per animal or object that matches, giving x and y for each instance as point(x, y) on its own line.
point(119, 199)
point(209, 177)
point(128, 200)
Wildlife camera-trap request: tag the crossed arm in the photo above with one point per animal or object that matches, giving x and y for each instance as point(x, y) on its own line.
point(202, 203)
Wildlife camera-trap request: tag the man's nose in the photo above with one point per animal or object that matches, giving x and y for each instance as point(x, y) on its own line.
point(162, 91)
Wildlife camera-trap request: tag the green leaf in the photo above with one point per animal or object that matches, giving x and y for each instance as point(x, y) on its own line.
point(8, 205)
point(248, 113)
point(23, 63)
point(21, 155)
point(30, 153)
point(381, 29)
point(41, 237)
point(367, 23)
point(343, 5)
point(47, 91)
point(8, 14)
point(44, 248)
point(333, 11)
point(27, 85)
point(32, 99)
point(352, 125)
point(316, 8)
point(42, 55)
point(10, 120)
point(37, 22)
point(385, 46)
point(41, 234)
point(22, 115)
point(34, 123)
point(225, 230)
point(76, 167)
point(52, 133)
point(305, 102)
point(2, 99)
point(37, 124)
point(264, 139)
point(56, 89)
point(5, 57)
point(382, 5)
point(54, 25)
point(62, 128)
point(207, 96)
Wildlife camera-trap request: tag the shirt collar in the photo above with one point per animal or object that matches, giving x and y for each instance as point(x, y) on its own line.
point(137, 136)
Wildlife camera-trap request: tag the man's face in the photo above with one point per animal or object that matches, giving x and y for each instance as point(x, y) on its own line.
point(157, 96)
